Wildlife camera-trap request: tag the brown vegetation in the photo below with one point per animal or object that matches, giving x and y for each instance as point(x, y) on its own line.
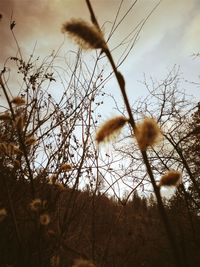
point(55, 207)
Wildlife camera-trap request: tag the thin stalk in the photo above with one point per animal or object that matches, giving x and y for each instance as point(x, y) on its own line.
point(161, 208)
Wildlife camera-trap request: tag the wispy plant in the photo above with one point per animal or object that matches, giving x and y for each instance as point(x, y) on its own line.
point(146, 133)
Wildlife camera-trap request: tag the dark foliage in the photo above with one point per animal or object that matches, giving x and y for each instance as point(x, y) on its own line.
point(96, 227)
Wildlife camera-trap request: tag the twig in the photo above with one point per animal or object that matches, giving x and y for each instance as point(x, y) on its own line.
point(161, 207)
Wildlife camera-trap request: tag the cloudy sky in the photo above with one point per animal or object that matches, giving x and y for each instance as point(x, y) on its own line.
point(170, 36)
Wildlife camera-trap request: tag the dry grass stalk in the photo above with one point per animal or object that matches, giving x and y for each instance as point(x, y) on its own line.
point(110, 128)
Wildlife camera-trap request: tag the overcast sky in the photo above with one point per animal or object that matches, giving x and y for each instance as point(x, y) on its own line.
point(170, 36)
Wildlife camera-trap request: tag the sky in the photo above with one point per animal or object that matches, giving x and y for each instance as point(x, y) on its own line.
point(170, 36)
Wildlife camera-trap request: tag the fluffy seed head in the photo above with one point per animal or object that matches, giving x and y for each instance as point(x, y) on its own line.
point(35, 204)
point(30, 140)
point(83, 263)
point(52, 179)
point(171, 178)
point(3, 214)
point(17, 164)
point(110, 129)
point(5, 116)
point(9, 149)
point(18, 101)
point(147, 133)
point(55, 261)
point(44, 219)
point(16, 150)
point(19, 122)
point(86, 35)
point(65, 167)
